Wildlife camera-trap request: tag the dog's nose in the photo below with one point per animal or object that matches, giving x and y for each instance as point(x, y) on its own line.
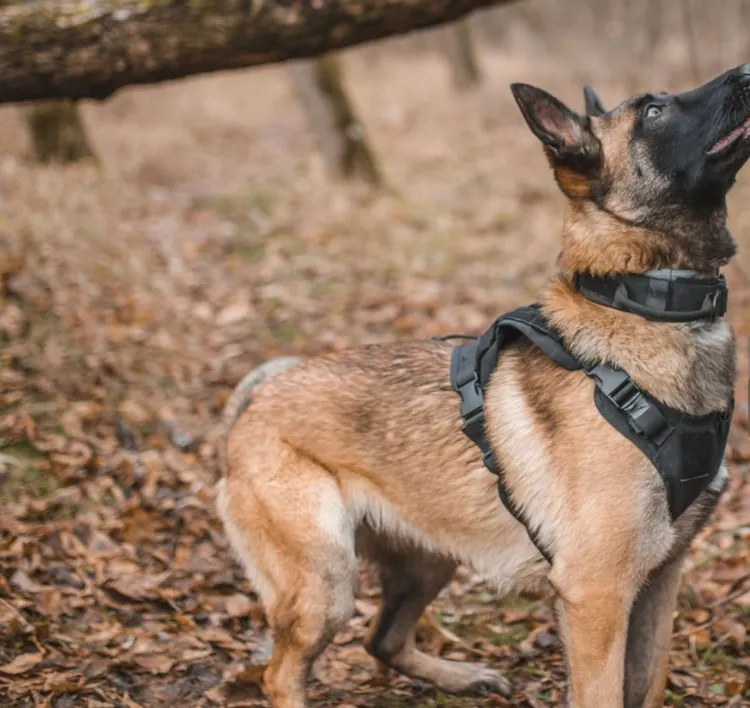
point(744, 70)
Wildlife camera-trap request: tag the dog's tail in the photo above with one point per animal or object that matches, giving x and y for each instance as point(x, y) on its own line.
point(242, 396)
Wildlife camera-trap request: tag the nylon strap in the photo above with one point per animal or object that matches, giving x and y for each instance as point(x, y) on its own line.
point(660, 295)
point(465, 380)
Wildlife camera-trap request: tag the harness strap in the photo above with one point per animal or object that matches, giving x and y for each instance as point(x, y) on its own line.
point(471, 366)
point(661, 295)
point(668, 438)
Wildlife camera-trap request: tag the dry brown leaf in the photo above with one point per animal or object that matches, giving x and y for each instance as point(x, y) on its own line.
point(510, 616)
point(697, 616)
point(63, 682)
point(24, 583)
point(140, 586)
point(234, 313)
point(737, 630)
point(22, 663)
point(195, 654)
point(155, 663)
point(135, 412)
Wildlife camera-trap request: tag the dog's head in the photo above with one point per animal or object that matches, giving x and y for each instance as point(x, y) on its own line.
point(658, 161)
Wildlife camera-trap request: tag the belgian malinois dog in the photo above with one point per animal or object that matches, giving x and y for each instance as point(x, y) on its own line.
point(362, 453)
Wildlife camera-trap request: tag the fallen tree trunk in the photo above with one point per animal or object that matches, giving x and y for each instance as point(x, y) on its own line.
point(90, 48)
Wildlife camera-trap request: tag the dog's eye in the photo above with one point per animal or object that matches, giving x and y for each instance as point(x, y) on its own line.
point(652, 111)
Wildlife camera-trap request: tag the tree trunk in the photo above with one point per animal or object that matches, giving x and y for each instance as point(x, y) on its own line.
point(74, 49)
point(57, 132)
point(461, 52)
point(340, 135)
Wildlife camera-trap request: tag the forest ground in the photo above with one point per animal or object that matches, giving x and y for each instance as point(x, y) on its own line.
point(137, 291)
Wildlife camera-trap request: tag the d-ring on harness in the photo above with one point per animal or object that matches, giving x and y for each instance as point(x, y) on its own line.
point(687, 451)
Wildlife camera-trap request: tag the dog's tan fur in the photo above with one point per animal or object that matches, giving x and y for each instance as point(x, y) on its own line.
point(362, 452)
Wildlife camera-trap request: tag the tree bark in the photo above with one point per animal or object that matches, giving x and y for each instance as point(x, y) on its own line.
point(340, 135)
point(460, 50)
point(57, 132)
point(90, 48)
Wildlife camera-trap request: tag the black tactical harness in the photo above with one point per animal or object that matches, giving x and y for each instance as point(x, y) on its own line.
point(687, 451)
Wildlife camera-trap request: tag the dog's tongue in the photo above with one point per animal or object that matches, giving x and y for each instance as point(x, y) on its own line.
point(729, 138)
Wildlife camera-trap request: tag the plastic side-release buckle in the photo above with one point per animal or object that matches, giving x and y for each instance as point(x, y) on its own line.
point(465, 381)
point(472, 408)
point(642, 414)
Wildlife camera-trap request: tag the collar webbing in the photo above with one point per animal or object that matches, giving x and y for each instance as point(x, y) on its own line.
point(661, 295)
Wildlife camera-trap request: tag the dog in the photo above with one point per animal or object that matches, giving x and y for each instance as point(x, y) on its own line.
point(361, 452)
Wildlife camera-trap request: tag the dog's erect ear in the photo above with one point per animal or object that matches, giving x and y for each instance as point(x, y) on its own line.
point(566, 135)
point(594, 105)
point(550, 120)
point(573, 150)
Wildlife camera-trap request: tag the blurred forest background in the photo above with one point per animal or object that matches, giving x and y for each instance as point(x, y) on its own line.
point(206, 230)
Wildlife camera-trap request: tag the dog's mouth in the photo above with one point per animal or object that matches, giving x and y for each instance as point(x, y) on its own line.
point(722, 145)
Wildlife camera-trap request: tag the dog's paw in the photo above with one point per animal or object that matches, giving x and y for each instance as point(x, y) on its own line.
point(491, 681)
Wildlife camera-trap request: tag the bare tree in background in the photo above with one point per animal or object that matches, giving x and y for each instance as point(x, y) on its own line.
point(57, 132)
point(460, 49)
point(340, 135)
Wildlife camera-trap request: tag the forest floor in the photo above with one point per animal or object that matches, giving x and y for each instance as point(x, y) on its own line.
point(137, 291)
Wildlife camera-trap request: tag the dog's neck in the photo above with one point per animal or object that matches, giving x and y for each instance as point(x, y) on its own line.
point(601, 243)
point(687, 366)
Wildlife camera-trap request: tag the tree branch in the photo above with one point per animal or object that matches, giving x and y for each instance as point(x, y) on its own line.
point(91, 48)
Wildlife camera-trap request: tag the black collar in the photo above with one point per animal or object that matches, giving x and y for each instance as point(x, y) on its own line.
point(662, 295)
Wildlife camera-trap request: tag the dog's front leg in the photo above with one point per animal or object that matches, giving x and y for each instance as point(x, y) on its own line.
point(650, 636)
point(593, 621)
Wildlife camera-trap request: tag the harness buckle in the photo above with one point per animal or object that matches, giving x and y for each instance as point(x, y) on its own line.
point(471, 406)
point(643, 416)
point(615, 384)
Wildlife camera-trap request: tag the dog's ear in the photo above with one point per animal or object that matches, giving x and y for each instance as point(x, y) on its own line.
point(574, 152)
point(594, 105)
point(558, 127)
point(566, 136)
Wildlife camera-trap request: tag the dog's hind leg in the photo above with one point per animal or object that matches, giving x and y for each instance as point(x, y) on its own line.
point(286, 520)
point(411, 580)
point(650, 636)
